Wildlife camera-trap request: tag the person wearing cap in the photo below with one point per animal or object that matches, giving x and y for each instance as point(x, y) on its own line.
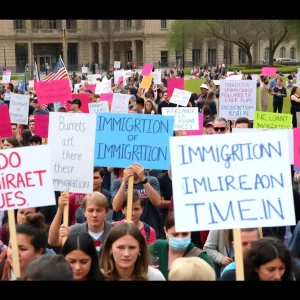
point(209, 128)
point(75, 106)
point(203, 93)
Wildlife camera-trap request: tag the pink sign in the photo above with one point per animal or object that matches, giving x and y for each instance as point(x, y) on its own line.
point(5, 126)
point(53, 91)
point(147, 69)
point(296, 133)
point(173, 83)
point(91, 87)
point(106, 97)
point(197, 132)
point(120, 80)
point(85, 100)
point(268, 71)
point(41, 124)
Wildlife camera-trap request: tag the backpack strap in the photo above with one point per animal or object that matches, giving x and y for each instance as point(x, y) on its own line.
point(147, 230)
point(195, 252)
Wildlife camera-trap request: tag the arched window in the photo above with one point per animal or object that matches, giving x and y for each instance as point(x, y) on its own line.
point(292, 53)
point(266, 56)
point(282, 52)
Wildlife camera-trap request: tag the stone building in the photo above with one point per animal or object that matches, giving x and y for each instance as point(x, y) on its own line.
point(105, 41)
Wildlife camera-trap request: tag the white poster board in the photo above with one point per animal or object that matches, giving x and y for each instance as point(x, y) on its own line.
point(237, 99)
point(84, 70)
point(98, 107)
point(117, 64)
point(157, 77)
point(254, 130)
point(120, 103)
point(180, 97)
point(6, 78)
point(18, 108)
point(186, 118)
point(26, 182)
point(231, 181)
point(72, 143)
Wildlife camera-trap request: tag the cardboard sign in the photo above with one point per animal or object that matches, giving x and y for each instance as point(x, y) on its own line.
point(18, 108)
point(5, 123)
point(41, 125)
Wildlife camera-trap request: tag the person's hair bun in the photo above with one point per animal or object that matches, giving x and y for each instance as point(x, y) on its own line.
point(36, 220)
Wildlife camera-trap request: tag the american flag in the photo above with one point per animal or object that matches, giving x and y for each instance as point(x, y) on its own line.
point(59, 72)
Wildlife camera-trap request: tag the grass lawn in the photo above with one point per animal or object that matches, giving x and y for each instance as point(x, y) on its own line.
point(192, 85)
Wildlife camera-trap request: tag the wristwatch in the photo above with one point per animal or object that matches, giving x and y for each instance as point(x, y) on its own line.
point(144, 181)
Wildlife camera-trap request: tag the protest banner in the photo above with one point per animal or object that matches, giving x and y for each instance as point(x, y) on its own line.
point(272, 120)
point(117, 64)
point(185, 118)
point(120, 103)
point(18, 108)
point(147, 69)
point(237, 99)
point(180, 97)
point(5, 123)
point(98, 107)
point(72, 142)
point(124, 139)
point(53, 91)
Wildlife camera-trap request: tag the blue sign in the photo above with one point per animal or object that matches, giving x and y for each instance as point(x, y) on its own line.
point(124, 139)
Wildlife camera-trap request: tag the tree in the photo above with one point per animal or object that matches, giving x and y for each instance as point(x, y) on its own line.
point(108, 34)
point(243, 33)
point(277, 32)
point(185, 33)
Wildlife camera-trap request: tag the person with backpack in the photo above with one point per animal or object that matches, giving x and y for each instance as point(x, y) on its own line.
point(137, 209)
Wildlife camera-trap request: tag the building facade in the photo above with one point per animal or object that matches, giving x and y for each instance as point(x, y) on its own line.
point(106, 41)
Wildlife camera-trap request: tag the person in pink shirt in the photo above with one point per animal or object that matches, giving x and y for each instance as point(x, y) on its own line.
point(137, 209)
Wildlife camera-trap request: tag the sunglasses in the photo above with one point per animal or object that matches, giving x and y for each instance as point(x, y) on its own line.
point(222, 129)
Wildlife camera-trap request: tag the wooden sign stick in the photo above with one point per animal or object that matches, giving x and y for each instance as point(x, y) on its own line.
point(14, 243)
point(238, 255)
point(66, 216)
point(129, 199)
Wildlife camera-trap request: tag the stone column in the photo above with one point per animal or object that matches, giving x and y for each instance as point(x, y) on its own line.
point(133, 49)
point(100, 55)
point(65, 44)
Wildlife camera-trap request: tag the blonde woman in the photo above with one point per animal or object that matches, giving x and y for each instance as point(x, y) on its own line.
point(125, 255)
point(191, 269)
point(150, 108)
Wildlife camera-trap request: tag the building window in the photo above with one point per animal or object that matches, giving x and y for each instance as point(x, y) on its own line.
point(71, 24)
point(292, 53)
point(282, 52)
point(266, 55)
point(128, 23)
point(196, 57)
point(21, 52)
point(36, 24)
point(52, 24)
point(139, 23)
point(20, 24)
point(106, 25)
point(94, 25)
point(163, 24)
point(117, 24)
point(164, 58)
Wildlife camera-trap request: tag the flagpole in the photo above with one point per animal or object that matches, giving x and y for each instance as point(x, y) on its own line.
point(67, 72)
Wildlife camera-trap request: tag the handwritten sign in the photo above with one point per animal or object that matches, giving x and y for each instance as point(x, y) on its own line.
point(72, 143)
point(18, 108)
point(147, 69)
point(272, 120)
point(98, 107)
point(198, 131)
point(84, 70)
point(255, 130)
point(26, 182)
point(53, 91)
point(157, 77)
point(146, 82)
point(117, 64)
point(186, 118)
point(180, 97)
point(268, 71)
point(5, 123)
point(296, 134)
point(41, 125)
point(174, 83)
point(122, 140)
point(237, 99)
point(120, 103)
point(6, 78)
point(225, 181)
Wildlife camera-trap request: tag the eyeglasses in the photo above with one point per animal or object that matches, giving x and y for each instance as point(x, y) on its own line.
point(222, 129)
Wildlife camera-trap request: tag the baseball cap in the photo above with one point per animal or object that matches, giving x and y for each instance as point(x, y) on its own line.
point(75, 101)
point(209, 124)
point(203, 86)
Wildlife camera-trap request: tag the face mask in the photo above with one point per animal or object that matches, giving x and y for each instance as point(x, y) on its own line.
point(179, 244)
